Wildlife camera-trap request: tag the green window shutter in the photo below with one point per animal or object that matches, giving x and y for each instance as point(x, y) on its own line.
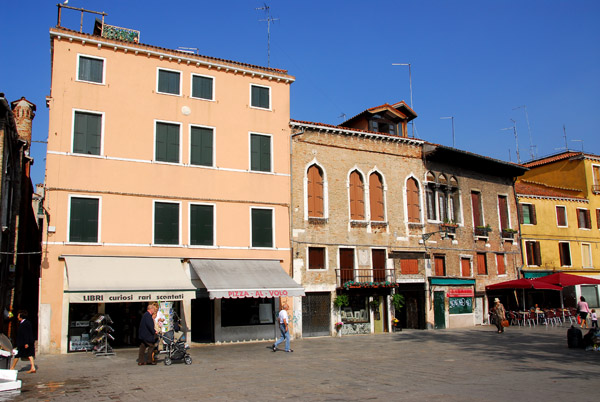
point(201, 225)
point(167, 142)
point(90, 69)
point(168, 82)
point(166, 223)
point(202, 87)
point(87, 133)
point(201, 146)
point(262, 228)
point(260, 97)
point(260, 153)
point(83, 226)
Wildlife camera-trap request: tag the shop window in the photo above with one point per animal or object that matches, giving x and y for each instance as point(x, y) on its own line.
point(247, 311)
point(564, 250)
point(440, 265)
point(528, 215)
point(84, 220)
point(87, 133)
point(260, 153)
point(413, 204)
point(590, 293)
point(166, 223)
point(583, 218)
point(201, 146)
point(465, 267)
point(561, 216)
point(260, 97)
point(481, 264)
point(262, 227)
point(167, 142)
point(316, 258)
point(500, 264)
point(169, 82)
point(357, 197)
point(534, 256)
point(376, 197)
point(201, 225)
point(202, 87)
point(460, 305)
point(90, 69)
point(357, 310)
point(314, 192)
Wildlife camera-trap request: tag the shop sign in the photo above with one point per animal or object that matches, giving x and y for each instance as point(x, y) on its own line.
point(119, 297)
point(234, 294)
point(460, 293)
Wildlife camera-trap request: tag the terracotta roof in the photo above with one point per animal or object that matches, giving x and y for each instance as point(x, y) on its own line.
point(553, 158)
point(178, 53)
point(393, 108)
point(348, 129)
point(526, 187)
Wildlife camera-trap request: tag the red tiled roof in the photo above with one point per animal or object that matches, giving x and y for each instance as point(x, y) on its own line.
point(526, 187)
point(393, 107)
point(553, 158)
point(352, 129)
point(174, 51)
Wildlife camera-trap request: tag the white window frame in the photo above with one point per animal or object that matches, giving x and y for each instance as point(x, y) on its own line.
point(271, 168)
point(99, 198)
point(508, 216)
point(466, 257)
point(270, 108)
point(189, 226)
point(529, 204)
point(589, 214)
point(570, 254)
point(158, 69)
point(154, 222)
point(273, 234)
point(214, 81)
point(422, 201)
point(368, 196)
point(566, 216)
point(325, 190)
point(589, 246)
point(504, 258)
point(79, 56)
point(156, 121)
point(102, 123)
point(214, 153)
point(308, 269)
point(348, 201)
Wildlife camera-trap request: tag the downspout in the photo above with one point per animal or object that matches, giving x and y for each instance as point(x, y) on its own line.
point(292, 199)
point(519, 270)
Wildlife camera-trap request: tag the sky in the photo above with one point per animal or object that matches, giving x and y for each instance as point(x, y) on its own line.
point(485, 63)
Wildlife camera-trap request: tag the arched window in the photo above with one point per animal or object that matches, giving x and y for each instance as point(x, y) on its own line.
point(413, 203)
point(376, 197)
point(357, 197)
point(315, 192)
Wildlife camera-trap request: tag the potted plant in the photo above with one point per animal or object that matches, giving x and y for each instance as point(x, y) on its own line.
point(398, 302)
point(508, 233)
point(341, 301)
point(449, 226)
point(483, 230)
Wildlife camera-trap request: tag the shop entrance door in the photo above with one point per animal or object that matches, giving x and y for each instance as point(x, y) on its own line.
point(380, 315)
point(439, 310)
point(203, 329)
point(316, 314)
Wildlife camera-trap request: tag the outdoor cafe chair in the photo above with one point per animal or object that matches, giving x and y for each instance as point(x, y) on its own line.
point(514, 318)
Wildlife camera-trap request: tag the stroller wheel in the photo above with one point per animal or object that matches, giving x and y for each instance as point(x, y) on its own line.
point(188, 359)
point(168, 361)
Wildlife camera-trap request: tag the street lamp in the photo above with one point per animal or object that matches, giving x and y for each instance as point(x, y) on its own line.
point(451, 117)
point(410, 86)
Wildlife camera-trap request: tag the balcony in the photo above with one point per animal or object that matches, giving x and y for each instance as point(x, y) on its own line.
point(509, 233)
point(365, 278)
point(482, 231)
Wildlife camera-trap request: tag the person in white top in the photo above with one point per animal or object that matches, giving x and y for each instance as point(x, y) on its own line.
point(283, 327)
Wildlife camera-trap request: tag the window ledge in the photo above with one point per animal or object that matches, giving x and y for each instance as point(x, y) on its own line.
point(379, 224)
point(318, 221)
point(359, 223)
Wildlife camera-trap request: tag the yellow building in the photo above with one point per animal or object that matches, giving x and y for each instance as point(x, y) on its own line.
point(559, 201)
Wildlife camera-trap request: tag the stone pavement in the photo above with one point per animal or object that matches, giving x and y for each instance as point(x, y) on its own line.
point(475, 364)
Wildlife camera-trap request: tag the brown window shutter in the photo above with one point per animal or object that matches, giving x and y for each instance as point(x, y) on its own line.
point(598, 218)
point(376, 197)
point(310, 196)
point(588, 219)
point(465, 265)
point(481, 264)
point(533, 215)
point(476, 205)
point(579, 218)
point(521, 221)
point(315, 192)
point(537, 254)
point(503, 207)
point(412, 200)
point(500, 263)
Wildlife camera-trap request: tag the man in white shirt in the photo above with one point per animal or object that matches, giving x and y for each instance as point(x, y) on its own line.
point(283, 327)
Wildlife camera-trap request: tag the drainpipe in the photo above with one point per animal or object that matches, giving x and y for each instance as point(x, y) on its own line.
point(519, 270)
point(291, 213)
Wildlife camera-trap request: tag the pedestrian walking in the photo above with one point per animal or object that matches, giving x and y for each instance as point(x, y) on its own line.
point(583, 309)
point(147, 336)
point(594, 318)
point(284, 328)
point(499, 315)
point(25, 342)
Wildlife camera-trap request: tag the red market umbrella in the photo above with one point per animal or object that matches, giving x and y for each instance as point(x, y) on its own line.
point(563, 279)
point(523, 283)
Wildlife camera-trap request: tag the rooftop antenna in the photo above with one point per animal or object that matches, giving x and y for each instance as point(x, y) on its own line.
point(566, 147)
point(343, 116)
point(514, 128)
point(579, 141)
point(268, 20)
point(450, 117)
point(412, 122)
point(532, 147)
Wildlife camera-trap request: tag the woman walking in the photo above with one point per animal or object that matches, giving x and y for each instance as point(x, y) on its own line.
point(499, 315)
point(584, 310)
point(25, 342)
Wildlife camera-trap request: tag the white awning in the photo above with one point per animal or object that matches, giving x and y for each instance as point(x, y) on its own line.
point(126, 279)
point(245, 278)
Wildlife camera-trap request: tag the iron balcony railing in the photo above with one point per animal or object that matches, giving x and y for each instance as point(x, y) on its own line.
point(365, 277)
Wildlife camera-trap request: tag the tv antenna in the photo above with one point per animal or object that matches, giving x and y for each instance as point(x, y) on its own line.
point(342, 116)
point(579, 141)
point(514, 128)
point(268, 20)
point(532, 148)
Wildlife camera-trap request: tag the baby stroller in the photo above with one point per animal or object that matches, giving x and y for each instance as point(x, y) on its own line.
point(174, 349)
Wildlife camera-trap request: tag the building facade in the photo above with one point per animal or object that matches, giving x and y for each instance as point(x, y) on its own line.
point(168, 179)
point(559, 199)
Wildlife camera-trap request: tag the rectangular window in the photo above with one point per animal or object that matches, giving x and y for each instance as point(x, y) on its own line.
point(476, 206)
point(262, 227)
point(443, 206)
point(503, 212)
point(167, 142)
point(260, 153)
point(169, 82)
point(534, 256)
point(409, 266)
point(83, 220)
point(590, 293)
point(465, 266)
point(260, 97)
point(201, 146)
point(561, 216)
point(564, 249)
point(90, 69)
point(583, 219)
point(481, 264)
point(316, 258)
point(430, 199)
point(440, 265)
point(586, 255)
point(202, 87)
point(201, 225)
point(378, 261)
point(166, 223)
point(528, 215)
point(500, 264)
point(596, 173)
point(87, 133)
point(247, 311)
point(346, 265)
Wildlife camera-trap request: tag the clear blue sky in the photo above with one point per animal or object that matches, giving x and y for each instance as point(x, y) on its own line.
point(474, 60)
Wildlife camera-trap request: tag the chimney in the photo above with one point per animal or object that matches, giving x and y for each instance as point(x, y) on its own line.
point(24, 112)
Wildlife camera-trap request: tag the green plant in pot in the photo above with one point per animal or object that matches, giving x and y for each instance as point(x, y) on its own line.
point(398, 302)
point(341, 301)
